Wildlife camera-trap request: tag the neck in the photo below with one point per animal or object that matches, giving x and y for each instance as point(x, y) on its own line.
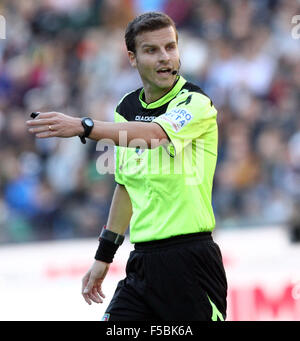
point(152, 96)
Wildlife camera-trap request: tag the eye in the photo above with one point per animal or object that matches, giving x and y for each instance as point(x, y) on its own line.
point(151, 50)
point(171, 47)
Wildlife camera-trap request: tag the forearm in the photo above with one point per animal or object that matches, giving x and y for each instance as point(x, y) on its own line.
point(118, 221)
point(120, 211)
point(126, 134)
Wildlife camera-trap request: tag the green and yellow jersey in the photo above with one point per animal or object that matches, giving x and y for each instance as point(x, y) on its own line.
point(170, 186)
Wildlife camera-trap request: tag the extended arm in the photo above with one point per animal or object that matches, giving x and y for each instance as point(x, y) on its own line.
point(54, 124)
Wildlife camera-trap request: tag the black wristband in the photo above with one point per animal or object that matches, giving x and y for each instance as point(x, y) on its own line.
point(113, 237)
point(106, 251)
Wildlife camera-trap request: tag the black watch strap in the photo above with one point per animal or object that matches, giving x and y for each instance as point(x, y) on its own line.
point(87, 129)
point(82, 139)
point(115, 238)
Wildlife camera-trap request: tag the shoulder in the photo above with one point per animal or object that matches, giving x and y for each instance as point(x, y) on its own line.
point(190, 90)
point(193, 99)
point(129, 100)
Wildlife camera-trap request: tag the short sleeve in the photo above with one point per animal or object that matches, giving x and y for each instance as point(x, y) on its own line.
point(187, 118)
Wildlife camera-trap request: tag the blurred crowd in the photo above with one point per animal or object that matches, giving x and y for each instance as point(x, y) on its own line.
point(69, 56)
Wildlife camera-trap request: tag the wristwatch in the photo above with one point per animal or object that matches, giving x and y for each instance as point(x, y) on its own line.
point(88, 125)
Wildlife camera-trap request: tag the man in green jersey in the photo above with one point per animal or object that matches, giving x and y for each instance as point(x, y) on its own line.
point(166, 150)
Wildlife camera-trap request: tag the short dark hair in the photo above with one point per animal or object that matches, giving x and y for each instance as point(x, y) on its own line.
point(146, 22)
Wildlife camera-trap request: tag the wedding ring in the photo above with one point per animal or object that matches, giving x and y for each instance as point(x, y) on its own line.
point(50, 128)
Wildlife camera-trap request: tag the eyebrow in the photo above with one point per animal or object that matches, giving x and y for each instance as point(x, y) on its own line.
point(145, 45)
point(148, 45)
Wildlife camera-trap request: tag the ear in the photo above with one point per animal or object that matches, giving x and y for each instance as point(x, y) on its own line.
point(132, 59)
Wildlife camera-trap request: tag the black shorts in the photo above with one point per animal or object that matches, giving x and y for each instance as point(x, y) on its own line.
point(176, 279)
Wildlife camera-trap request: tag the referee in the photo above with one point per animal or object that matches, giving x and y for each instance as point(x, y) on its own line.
point(164, 184)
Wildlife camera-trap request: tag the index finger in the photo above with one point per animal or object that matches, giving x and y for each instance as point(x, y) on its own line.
point(38, 115)
point(87, 299)
point(47, 114)
point(42, 118)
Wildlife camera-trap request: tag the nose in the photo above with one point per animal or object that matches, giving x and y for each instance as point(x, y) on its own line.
point(164, 56)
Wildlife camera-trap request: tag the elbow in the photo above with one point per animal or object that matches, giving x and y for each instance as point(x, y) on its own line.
point(158, 137)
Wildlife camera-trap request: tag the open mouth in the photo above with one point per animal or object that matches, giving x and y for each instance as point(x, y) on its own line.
point(164, 71)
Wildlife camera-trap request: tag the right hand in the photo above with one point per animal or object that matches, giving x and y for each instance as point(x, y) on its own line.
point(55, 124)
point(92, 282)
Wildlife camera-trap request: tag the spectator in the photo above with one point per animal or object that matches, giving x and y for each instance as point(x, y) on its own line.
point(66, 56)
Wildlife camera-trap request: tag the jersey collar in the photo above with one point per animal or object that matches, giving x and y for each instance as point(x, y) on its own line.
point(166, 98)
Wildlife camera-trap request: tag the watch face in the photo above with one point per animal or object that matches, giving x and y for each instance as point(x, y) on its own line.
point(88, 122)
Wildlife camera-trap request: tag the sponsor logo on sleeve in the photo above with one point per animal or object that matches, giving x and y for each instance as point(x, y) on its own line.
point(177, 118)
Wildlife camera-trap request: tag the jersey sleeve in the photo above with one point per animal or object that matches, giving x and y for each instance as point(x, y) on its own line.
point(187, 118)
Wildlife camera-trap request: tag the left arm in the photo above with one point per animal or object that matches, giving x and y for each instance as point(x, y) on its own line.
point(54, 124)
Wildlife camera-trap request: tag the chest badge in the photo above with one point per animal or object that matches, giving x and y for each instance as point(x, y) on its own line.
point(139, 152)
